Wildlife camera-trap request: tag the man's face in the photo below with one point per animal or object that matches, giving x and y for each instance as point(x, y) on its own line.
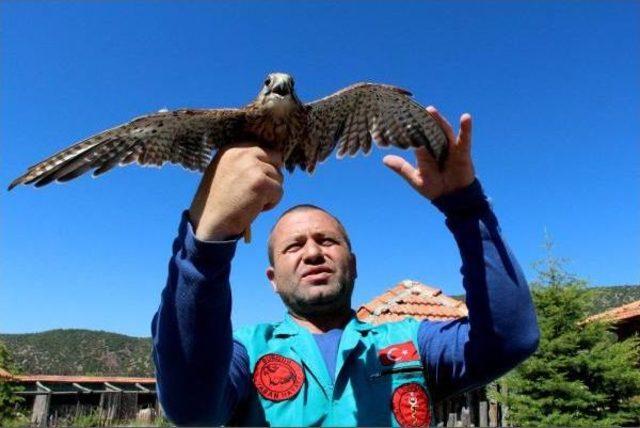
point(313, 268)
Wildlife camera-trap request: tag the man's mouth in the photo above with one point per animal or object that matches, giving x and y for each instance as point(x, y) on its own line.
point(317, 274)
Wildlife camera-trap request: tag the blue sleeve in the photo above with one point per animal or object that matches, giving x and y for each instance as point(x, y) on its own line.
point(202, 373)
point(501, 329)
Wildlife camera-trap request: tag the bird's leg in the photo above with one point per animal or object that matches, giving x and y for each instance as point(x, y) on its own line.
point(247, 235)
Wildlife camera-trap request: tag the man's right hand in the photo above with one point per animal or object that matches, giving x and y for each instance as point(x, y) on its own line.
point(241, 181)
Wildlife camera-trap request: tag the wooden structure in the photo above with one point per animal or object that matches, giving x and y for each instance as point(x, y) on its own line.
point(625, 319)
point(414, 299)
point(57, 400)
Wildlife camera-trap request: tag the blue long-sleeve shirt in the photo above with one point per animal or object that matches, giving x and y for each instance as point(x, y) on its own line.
point(194, 349)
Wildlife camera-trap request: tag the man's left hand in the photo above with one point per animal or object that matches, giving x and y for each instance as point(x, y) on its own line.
point(457, 172)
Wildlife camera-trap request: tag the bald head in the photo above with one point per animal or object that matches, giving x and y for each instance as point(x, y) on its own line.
point(303, 208)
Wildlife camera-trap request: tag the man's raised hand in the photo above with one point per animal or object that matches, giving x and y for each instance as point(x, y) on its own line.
point(457, 172)
point(241, 181)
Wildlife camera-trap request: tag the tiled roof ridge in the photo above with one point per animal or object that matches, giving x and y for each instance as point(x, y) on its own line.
point(618, 313)
point(411, 286)
point(396, 300)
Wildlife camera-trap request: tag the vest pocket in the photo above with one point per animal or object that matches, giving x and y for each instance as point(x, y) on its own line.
point(400, 372)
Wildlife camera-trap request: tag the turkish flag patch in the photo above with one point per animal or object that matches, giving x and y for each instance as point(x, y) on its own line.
point(398, 353)
point(277, 378)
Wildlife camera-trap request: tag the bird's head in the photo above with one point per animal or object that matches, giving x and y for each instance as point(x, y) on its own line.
point(278, 93)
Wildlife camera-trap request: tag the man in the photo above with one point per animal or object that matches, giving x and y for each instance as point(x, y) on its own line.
point(322, 366)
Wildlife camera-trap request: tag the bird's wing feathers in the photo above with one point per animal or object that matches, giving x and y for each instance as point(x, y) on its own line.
point(354, 116)
point(184, 137)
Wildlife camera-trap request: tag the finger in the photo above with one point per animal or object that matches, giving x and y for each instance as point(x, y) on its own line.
point(401, 167)
point(274, 157)
point(273, 172)
point(443, 122)
point(464, 136)
point(273, 196)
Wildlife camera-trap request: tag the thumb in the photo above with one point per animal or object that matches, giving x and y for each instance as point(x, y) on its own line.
point(401, 167)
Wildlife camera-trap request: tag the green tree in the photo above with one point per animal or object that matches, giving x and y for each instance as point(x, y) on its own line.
point(581, 374)
point(8, 399)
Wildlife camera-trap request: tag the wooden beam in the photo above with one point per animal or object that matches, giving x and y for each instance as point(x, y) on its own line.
point(81, 388)
point(112, 387)
point(142, 387)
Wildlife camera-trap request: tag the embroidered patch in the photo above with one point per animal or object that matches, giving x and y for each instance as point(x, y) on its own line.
point(398, 353)
point(277, 378)
point(410, 404)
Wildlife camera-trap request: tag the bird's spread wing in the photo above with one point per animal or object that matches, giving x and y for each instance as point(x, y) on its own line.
point(352, 117)
point(184, 137)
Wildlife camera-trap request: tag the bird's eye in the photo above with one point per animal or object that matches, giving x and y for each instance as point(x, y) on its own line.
point(267, 81)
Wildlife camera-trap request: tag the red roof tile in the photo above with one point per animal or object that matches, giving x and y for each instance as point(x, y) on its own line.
point(411, 299)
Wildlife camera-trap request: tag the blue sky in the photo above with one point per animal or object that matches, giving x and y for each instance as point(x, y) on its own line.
point(554, 89)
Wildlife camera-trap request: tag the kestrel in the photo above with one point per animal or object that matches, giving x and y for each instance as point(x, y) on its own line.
point(305, 133)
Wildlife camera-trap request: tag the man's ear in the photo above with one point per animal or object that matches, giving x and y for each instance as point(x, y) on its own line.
point(271, 275)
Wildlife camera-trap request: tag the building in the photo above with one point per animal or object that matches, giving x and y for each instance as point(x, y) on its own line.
point(57, 400)
point(625, 319)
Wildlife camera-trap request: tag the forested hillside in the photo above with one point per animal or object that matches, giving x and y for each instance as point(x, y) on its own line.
point(86, 352)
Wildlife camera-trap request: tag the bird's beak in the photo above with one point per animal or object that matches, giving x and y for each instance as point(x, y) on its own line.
point(281, 88)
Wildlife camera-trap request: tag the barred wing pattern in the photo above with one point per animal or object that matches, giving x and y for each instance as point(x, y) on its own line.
point(352, 117)
point(186, 137)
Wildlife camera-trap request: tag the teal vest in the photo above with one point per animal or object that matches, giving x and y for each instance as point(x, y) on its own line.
point(379, 378)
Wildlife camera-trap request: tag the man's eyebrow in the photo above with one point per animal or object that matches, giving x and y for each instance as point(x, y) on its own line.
point(290, 239)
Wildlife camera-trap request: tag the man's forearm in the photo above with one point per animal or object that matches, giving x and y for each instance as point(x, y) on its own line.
point(192, 334)
point(501, 329)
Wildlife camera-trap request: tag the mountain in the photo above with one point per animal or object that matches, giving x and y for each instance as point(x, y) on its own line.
point(86, 352)
point(604, 297)
point(80, 352)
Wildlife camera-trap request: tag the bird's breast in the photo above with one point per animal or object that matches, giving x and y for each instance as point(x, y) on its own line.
point(278, 131)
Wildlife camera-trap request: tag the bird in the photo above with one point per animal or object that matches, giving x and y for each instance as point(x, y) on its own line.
point(306, 134)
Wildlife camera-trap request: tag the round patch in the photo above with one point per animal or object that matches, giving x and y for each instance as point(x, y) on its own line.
point(277, 378)
point(410, 405)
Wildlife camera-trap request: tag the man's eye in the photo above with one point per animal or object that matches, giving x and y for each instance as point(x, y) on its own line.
point(328, 241)
point(292, 247)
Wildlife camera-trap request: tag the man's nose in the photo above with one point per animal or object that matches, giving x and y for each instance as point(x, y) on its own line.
point(313, 252)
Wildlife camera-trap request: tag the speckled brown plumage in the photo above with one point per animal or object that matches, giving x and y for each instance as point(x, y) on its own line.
point(350, 119)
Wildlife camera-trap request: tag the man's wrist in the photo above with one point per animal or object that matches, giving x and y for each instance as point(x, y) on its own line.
point(209, 229)
point(466, 202)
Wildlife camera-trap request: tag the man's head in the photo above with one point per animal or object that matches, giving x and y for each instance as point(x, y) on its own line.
point(311, 263)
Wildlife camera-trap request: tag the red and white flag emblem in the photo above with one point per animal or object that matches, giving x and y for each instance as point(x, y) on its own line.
point(398, 353)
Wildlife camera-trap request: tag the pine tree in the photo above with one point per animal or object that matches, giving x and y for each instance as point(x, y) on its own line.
point(8, 399)
point(581, 374)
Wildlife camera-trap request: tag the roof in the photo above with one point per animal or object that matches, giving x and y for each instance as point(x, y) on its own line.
point(5, 374)
point(412, 299)
point(74, 379)
point(620, 314)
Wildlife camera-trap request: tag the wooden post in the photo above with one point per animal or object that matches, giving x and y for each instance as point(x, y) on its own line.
point(465, 417)
point(40, 413)
point(484, 414)
point(110, 402)
point(128, 407)
point(493, 414)
point(504, 389)
point(451, 422)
